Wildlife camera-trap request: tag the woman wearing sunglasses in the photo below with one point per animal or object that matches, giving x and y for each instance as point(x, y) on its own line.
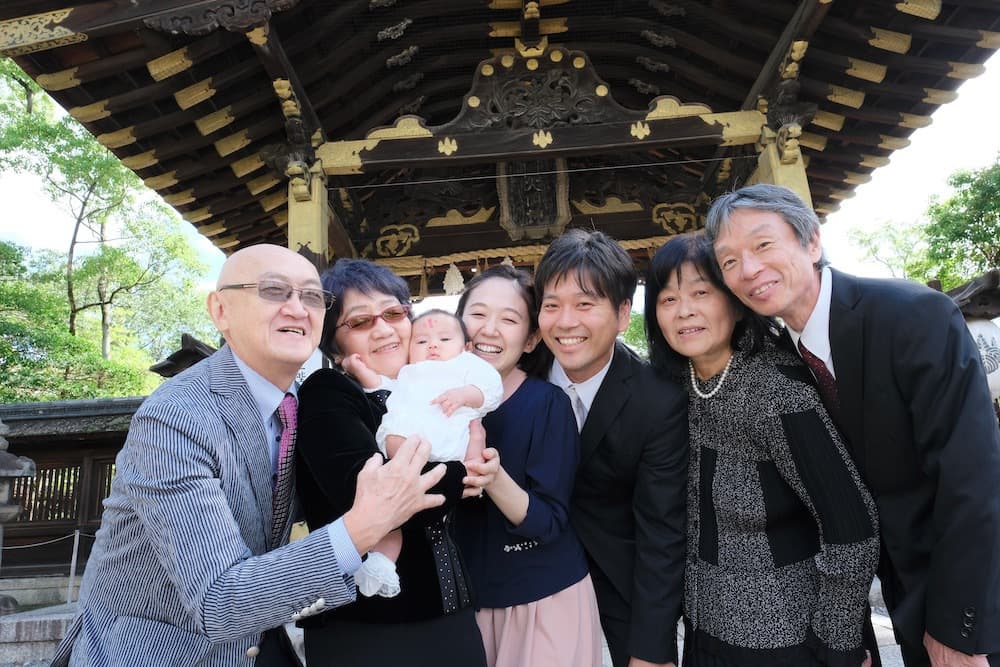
point(431, 621)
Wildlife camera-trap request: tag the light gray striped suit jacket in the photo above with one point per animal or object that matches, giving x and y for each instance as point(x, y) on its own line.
point(180, 573)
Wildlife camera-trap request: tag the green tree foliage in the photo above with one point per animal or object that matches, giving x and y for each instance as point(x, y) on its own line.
point(41, 361)
point(129, 278)
point(903, 250)
point(635, 335)
point(964, 229)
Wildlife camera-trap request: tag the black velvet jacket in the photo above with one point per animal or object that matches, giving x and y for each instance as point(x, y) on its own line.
point(336, 429)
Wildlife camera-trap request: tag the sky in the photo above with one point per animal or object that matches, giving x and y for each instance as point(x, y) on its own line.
point(963, 135)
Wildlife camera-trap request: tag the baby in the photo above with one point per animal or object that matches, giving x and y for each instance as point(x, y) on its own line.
point(465, 388)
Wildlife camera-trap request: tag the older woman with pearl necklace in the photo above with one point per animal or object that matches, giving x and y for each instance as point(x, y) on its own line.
point(782, 534)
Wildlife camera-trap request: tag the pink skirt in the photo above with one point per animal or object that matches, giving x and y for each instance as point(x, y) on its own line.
point(562, 630)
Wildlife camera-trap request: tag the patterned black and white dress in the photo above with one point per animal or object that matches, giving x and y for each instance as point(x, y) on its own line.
point(782, 534)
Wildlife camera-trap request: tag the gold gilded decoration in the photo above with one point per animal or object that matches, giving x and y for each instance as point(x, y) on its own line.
point(738, 127)
point(541, 138)
point(232, 143)
point(140, 161)
point(887, 40)
point(579, 62)
point(925, 9)
point(162, 181)
point(854, 178)
point(724, 171)
point(846, 96)
point(531, 51)
point(280, 218)
point(611, 205)
point(513, 28)
point(830, 121)
point(812, 141)
point(213, 229)
point(215, 121)
point(639, 130)
point(965, 71)
point(676, 217)
point(343, 157)
point(788, 143)
point(118, 138)
point(447, 146)
point(197, 215)
point(247, 165)
point(531, 64)
point(531, 11)
point(180, 198)
point(473, 101)
point(487, 70)
point(262, 184)
point(667, 106)
point(282, 88)
point(194, 94)
point(556, 56)
point(874, 161)
point(455, 218)
point(273, 201)
point(59, 80)
point(990, 40)
point(934, 96)
point(396, 240)
point(38, 32)
point(913, 121)
point(91, 112)
point(892, 143)
point(258, 36)
point(406, 127)
point(798, 49)
point(867, 71)
point(170, 64)
point(226, 241)
point(601, 90)
point(507, 60)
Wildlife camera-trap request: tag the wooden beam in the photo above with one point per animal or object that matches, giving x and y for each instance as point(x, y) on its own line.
point(409, 144)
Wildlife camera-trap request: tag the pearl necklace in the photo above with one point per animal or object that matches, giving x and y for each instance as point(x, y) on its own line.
point(694, 381)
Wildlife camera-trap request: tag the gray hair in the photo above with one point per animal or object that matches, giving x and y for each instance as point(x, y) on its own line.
point(767, 197)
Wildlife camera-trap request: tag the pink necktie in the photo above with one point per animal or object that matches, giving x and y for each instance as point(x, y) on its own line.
point(825, 381)
point(288, 416)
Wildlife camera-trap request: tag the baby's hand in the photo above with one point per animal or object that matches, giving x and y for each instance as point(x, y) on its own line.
point(368, 378)
point(451, 400)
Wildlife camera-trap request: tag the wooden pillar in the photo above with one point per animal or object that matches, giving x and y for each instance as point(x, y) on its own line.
point(309, 213)
point(780, 161)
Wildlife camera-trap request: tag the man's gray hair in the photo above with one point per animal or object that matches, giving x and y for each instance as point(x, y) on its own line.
point(766, 197)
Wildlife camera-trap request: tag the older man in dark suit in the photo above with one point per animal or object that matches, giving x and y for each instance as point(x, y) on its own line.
point(188, 567)
point(902, 378)
point(628, 505)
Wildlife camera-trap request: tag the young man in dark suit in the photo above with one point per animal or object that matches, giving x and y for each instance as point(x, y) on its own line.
point(903, 380)
point(628, 505)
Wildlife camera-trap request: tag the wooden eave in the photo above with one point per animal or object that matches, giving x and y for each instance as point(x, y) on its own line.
point(196, 112)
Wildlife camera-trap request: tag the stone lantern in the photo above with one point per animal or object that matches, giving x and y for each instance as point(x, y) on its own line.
point(10, 467)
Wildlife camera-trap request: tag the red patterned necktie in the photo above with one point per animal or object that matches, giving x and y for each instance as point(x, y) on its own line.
point(825, 381)
point(288, 416)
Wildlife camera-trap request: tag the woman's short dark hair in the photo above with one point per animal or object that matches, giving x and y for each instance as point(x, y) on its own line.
point(537, 361)
point(366, 277)
point(666, 264)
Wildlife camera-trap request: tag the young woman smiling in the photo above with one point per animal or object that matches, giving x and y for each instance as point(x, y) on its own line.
point(535, 600)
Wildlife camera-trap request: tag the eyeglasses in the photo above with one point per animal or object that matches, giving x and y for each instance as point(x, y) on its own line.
point(365, 322)
point(276, 291)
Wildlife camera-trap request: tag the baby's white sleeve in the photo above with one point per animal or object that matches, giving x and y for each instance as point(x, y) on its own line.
point(484, 377)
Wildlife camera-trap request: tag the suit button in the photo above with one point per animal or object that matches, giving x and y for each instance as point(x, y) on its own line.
point(968, 623)
point(253, 651)
point(966, 633)
point(970, 612)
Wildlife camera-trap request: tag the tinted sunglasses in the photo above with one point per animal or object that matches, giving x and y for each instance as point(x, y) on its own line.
point(365, 322)
point(277, 291)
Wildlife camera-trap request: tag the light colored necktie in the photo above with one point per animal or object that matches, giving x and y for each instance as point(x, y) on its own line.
point(282, 499)
point(579, 409)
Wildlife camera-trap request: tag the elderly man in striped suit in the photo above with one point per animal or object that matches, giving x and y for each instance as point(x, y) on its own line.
point(188, 567)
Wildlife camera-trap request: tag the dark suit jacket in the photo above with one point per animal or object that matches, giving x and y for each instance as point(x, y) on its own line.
point(628, 505)
point(917, 414)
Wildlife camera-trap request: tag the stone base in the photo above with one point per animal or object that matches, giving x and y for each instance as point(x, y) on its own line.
point(30, 638)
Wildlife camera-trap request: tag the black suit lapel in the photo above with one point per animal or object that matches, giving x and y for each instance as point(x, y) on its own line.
point(847, 346)
point(608, 402)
